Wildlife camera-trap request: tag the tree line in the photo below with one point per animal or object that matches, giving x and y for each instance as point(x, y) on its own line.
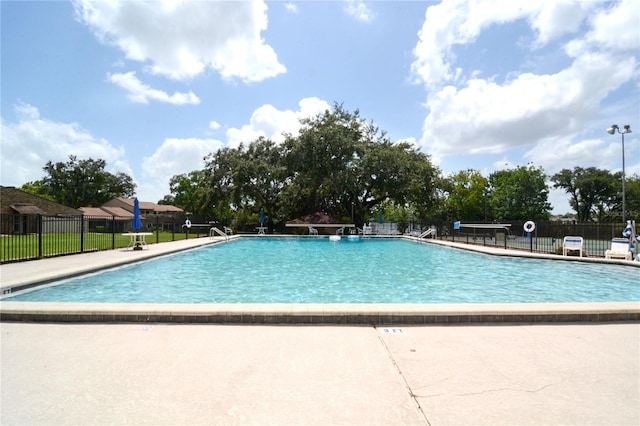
point(347, 168)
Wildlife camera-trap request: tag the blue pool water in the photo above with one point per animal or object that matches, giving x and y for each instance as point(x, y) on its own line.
point(316, 270)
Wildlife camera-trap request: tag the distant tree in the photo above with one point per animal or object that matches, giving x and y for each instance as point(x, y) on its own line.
point(337, 164)
point(84, 183)
point(341, 165)
point(399, 172)
point(221, 190)
point(519, 194)
point(237, 182)
point(188, 192)
point(467, 195)
point(167, 200)
point(391, 211)
point(38, 188)
point(595, 194)
point(260, 179)
point(632, 189)
point(323, 163)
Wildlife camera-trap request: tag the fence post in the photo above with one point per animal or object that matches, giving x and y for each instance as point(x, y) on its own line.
point(39, 236)
point(81, 233)
point(157, 229)
point(113, 232)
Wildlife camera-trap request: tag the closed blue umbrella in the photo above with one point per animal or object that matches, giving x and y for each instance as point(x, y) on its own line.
point(380, 218)
point(136, 223)
point(261, 217)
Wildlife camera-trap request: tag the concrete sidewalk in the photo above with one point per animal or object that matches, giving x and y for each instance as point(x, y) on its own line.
point(144, 374)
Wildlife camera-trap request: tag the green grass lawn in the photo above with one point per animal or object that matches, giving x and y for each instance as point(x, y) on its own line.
point(19, 247)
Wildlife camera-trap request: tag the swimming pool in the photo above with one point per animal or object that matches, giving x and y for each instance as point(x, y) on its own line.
point(316, 270)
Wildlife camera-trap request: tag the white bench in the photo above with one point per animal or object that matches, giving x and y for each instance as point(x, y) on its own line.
point(572, 244)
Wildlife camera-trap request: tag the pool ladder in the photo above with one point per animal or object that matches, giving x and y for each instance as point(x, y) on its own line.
point(430, 231)
point(215, 230)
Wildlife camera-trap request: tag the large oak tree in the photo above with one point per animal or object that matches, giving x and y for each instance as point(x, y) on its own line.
point(81, 183)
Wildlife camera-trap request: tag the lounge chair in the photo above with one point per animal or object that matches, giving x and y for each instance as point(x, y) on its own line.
point(313, 231)
point(228, 231)
point(570, 243)
point(619, 249)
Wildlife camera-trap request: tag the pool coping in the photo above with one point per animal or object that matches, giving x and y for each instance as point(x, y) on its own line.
point(353, 314)
point(347, 314)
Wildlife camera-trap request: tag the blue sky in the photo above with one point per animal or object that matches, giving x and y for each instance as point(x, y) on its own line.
point(153, 87)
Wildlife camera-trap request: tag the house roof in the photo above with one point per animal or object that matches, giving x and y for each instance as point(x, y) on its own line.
point(118, 211)
point(24, 208)
point(93, 211)
point(107, 212)
point(166, 208)
point(145, 206)
point(26, 203)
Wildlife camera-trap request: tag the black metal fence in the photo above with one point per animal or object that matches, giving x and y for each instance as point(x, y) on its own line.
point(547, 237)
point(28, 237)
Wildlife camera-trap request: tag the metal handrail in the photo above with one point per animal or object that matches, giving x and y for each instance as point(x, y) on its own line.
point(215, 230)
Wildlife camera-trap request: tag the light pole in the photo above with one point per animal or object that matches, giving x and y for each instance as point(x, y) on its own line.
point(612, 130)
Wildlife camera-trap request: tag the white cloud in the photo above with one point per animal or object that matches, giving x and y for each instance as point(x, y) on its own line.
point(291, 7)
point(182, 39)
point(460, 22)
point(545, 112)
point(142, 93)
point(487, 117)
point(175, 156)
point(359, 10)
point(588, 153)
point(557, 18)
point(30, 142)
point(617, 28)
point(214, 125)
point(456, 22)
point(271, 123)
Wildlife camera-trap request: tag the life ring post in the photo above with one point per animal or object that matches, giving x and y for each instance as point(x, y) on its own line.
point(529, 227)
point(187, 224)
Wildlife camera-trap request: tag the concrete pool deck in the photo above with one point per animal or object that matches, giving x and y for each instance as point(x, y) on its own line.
point(149, 373)
point(167, 374)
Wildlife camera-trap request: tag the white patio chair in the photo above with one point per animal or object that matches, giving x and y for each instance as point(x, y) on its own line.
point(619, 249)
